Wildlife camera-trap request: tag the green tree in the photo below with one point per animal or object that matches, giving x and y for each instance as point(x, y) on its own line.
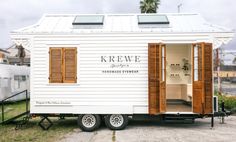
point(149, 6)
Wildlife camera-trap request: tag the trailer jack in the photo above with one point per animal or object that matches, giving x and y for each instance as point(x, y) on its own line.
point(212, 120)
point(45, 123)
point(222, 113)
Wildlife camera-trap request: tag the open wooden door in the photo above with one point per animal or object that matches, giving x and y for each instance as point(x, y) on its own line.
point(162, 98)
point(156, 78)
point(202, 78)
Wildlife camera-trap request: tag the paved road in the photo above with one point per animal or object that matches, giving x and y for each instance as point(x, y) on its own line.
point(136, 131)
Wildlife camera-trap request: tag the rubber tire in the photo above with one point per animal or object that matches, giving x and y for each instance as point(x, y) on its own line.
point(84, 128)
point(108, 124)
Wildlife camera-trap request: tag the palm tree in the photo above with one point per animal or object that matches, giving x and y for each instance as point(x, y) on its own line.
point(149, 6)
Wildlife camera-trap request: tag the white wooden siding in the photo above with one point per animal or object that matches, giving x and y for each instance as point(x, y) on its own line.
point(94, 89)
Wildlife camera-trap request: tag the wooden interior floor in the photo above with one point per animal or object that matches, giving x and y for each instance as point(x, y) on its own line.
point(179, 108)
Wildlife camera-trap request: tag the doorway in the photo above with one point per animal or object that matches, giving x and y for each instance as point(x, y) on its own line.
point(178, 78)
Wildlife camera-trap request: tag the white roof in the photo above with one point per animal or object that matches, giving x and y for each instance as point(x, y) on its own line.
point(187, 23)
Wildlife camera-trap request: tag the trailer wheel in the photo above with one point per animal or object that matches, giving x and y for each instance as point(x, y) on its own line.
point(89, 122)
point(116, 121)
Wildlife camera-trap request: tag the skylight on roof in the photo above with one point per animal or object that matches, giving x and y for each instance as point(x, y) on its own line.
point(88, 20)
point(153, 19)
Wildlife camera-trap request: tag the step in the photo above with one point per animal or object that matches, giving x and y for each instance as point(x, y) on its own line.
point(180, 117)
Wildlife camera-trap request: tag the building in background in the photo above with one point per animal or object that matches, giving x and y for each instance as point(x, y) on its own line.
point(229, 57)
point(227, 66)
point(10, 56)
point(3, 55)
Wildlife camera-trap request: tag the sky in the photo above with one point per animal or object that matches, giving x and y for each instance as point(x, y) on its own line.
point(15, 14)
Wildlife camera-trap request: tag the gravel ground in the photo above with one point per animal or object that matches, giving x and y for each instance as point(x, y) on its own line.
point(140, 131)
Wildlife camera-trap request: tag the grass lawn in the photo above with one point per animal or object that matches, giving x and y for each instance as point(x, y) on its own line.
point(31, 131)
point(13, 109)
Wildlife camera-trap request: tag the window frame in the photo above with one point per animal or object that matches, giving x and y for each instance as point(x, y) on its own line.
point(63, 65)
point(88, 20)
point(142, 21)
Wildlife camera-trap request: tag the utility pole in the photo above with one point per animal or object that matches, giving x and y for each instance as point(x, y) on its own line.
point(218, 70)
point(179, 6)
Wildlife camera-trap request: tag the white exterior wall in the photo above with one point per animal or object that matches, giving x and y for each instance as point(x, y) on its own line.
point(96, 92)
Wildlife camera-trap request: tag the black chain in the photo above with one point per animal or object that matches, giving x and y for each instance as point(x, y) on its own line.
point(22, 122)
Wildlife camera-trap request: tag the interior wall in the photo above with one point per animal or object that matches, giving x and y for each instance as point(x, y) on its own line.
point(178, 80)
point(173, 91)
point(175, 53)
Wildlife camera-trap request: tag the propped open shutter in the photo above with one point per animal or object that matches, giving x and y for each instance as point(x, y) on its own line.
point(162, 70)
point(70, 65)
point(55, 67)
point(202, 78)
point(153, 82)
point(156, 78)
point(208, 97)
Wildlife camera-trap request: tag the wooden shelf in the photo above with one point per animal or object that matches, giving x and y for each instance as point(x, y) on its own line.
point(175, 65)
point(174, 75)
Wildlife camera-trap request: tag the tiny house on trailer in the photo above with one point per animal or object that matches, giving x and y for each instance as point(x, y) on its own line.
point(119, 65)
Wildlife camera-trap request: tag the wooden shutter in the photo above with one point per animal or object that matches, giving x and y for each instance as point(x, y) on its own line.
point(208, 88)
point(55, 65)
point(197, 78)
point(70, 65)
point(153, 83)
point(202, 78)
point(162, 79)
point(156, 85)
